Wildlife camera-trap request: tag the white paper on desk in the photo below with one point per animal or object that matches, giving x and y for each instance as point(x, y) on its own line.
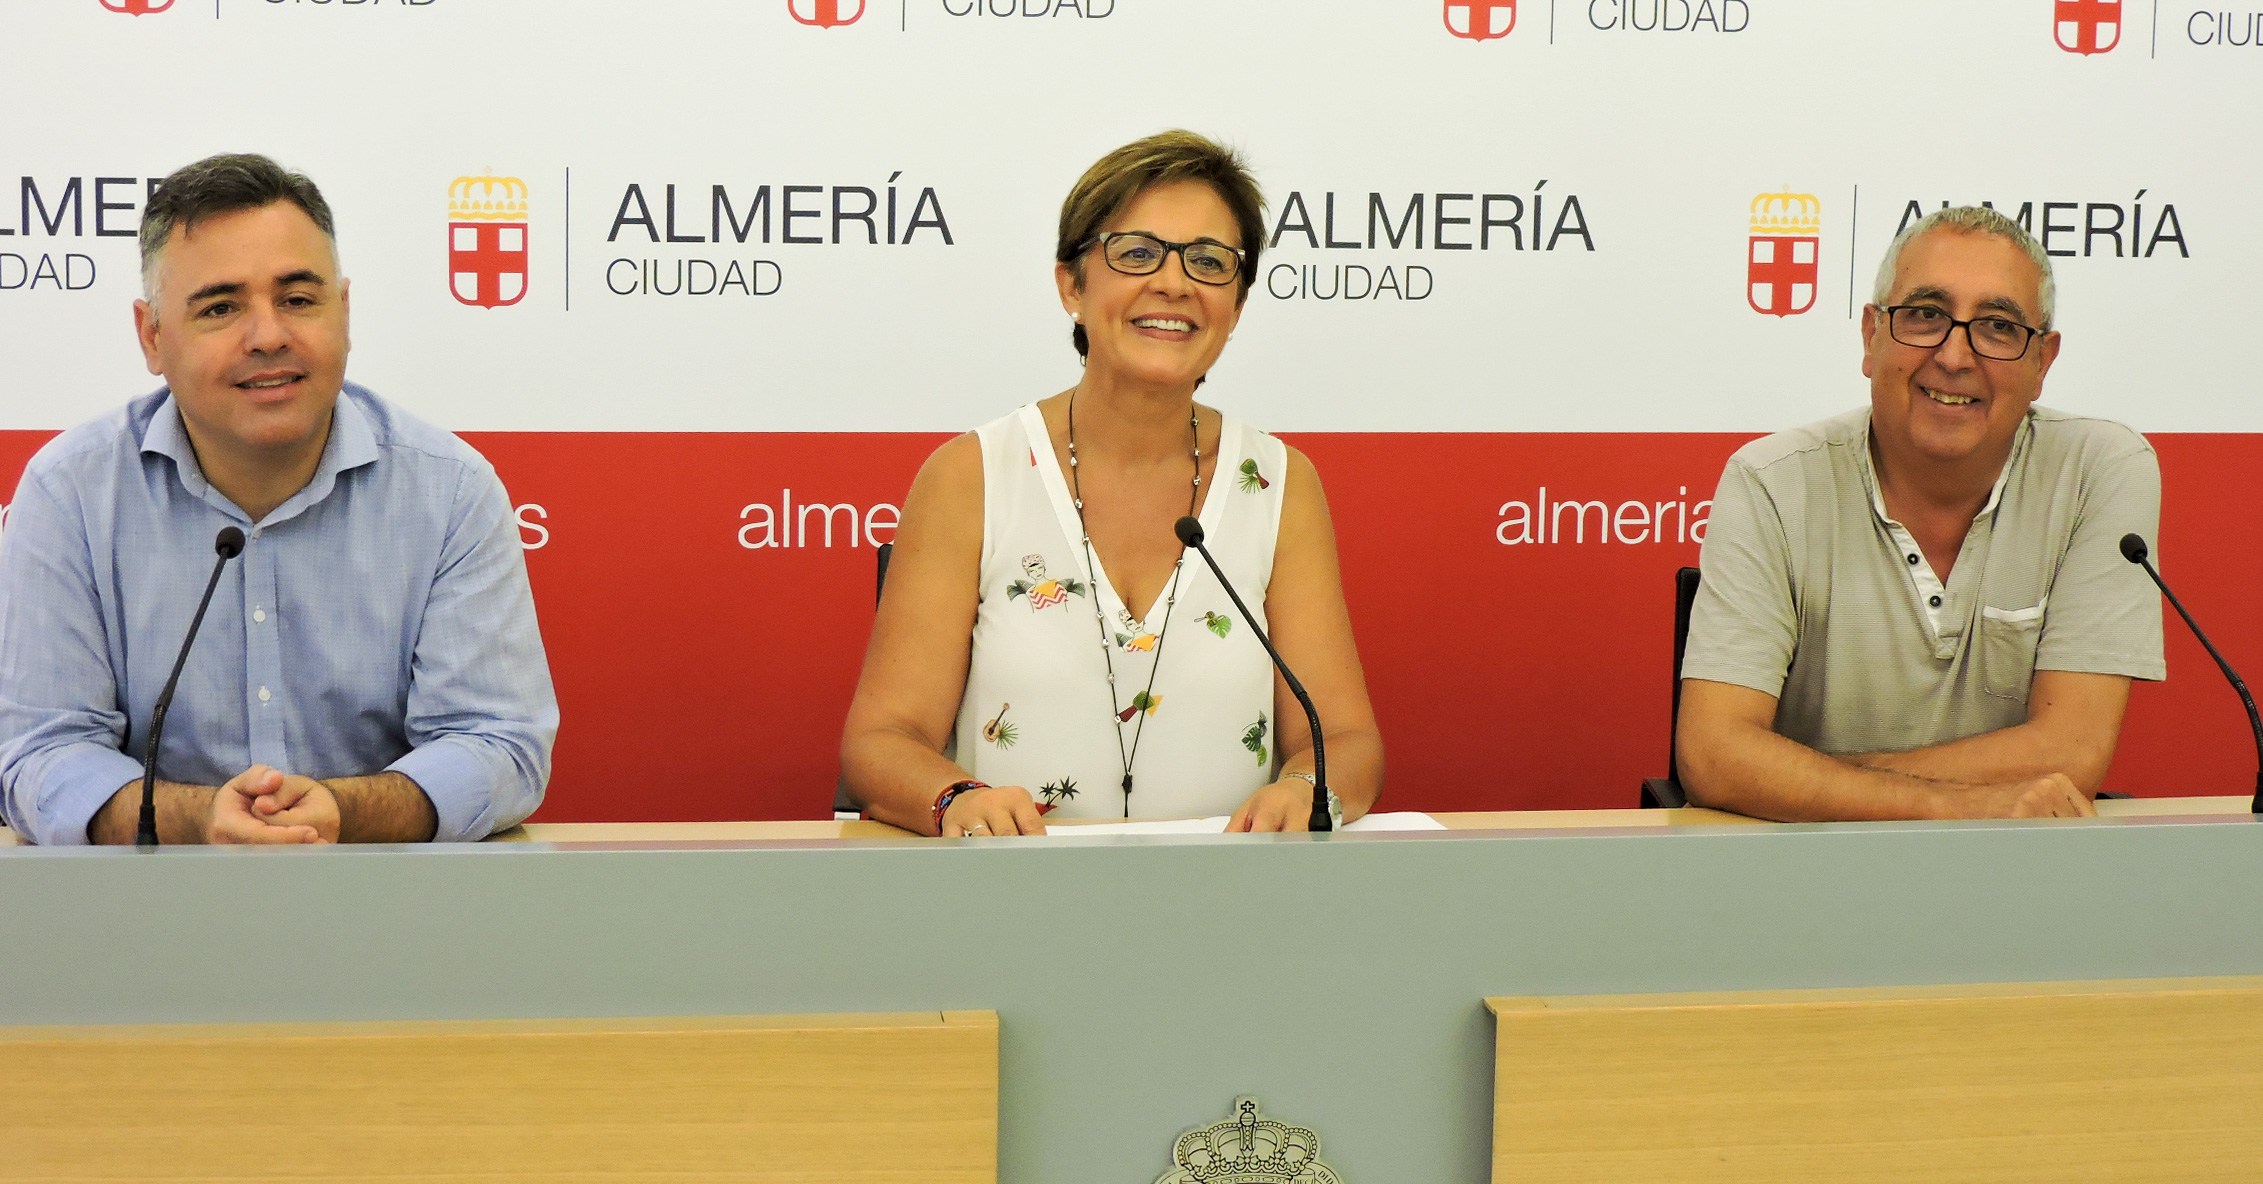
point(1403, 820)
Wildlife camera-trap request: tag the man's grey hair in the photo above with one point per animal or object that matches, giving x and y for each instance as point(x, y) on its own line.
point(1973, 220)
point(219, 185)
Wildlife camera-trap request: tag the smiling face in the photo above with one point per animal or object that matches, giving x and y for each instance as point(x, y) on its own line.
point(1162, 329)
point(247, 323)
point(1945, 403)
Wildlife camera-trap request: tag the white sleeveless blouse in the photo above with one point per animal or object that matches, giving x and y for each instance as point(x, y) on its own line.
point(1037, 713)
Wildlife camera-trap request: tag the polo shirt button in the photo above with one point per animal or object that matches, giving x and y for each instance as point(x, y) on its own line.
point(1913, 561)
point(263, 695)
point(1935, 602)
point(259, 614)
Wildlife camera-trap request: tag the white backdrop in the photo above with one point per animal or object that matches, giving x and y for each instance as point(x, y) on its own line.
point(1663, 137)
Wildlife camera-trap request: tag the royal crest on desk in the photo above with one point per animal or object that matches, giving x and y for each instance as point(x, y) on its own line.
point(1248, 1148)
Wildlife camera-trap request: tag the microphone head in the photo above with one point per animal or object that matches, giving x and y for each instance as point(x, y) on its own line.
point(229, 543)
point(1189, 531)
point(2133, 548)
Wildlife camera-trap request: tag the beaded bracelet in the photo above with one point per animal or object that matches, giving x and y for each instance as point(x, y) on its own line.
point(951, 794)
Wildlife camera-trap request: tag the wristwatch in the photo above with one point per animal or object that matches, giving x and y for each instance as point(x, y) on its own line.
point(1335, 804)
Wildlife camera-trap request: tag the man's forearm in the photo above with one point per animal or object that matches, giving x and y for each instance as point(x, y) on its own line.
point(383, 808)
point(182, 811)
point(1754, 771)
point(2016, 753)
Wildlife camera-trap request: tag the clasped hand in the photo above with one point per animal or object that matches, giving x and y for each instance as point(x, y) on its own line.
point(261, 805)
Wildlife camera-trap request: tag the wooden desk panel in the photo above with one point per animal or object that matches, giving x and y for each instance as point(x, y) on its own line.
point(868, 1099)
point(2044, 1082)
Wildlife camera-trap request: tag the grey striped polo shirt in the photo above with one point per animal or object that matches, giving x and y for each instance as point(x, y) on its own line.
point(1812, 594)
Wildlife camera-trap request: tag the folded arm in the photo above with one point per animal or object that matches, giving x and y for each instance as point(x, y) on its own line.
point(1730, 758)
point(481, 714)
point(263, 806)
point(62, 720)
point(2073, 722)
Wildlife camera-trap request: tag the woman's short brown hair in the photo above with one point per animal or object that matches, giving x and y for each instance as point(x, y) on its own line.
point(1161, 159)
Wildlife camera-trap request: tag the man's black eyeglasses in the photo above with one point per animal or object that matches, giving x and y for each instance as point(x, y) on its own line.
point(1997, 337)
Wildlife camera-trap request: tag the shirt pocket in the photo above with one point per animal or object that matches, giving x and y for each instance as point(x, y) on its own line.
point(2008, 638)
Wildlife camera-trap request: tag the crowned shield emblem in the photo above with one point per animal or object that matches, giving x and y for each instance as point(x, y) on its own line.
point(137, 7)
point(1248, 1148)
point(1481, 20)
point(2087, 26)
point(487, 241)
point(1784, 253)
point(826, 14)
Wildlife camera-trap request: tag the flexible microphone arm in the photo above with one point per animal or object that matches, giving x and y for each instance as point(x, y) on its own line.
point(1189, 531)
point(228, 544)
point(2133, 549)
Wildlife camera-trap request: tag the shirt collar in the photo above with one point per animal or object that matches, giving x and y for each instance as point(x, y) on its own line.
point(352, 444)
point(1995, 492)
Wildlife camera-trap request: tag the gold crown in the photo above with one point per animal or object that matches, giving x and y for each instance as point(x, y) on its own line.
point(1787, 213)
point(1247, 1149)
point(487, 199)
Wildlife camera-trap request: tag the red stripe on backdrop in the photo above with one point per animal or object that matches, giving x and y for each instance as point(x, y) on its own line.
point(700, 678)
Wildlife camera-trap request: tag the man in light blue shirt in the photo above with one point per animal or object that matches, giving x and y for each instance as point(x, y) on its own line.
point(370, 669)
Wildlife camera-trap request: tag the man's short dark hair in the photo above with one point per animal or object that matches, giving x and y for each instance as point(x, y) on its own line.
point(219, 185)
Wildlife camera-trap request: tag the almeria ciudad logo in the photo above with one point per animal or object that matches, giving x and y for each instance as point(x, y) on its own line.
point(1481, 20)
point(1782, 255)
point(137, 7)
point(2087, 26)
point(487, 247)
point(826, 14)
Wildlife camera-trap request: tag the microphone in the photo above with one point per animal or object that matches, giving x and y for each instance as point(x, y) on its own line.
point(2133, 549)
point(1189, 530)
point(228, 544)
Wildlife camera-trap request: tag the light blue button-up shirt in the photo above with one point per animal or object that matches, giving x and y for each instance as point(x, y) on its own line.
point(378, 620)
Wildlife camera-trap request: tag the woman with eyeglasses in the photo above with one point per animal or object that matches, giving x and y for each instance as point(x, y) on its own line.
point(1045, 645)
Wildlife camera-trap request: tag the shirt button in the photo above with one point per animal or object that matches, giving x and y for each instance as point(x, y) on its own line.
point(1935, 602)
point(1913, 561)
point(255, 532)
point(259, 614)
point(263, 696)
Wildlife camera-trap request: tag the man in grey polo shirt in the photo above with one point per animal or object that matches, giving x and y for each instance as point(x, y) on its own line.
point(1919, 609)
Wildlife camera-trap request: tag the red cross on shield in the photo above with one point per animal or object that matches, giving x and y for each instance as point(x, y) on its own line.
point(2087, 26)
point(1780, 273)
point(1481, 20)
point(825, 14)
point(137, 7)
point(487, 263)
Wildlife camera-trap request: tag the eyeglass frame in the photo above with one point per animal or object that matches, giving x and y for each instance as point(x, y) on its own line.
point(1241, 257)
point(1954, 324)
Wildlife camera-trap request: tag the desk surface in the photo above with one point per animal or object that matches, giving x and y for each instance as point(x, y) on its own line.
point(1142, 982)
point(804, 830)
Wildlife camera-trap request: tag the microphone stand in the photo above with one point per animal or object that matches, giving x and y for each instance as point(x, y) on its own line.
point(1190, 533)
point(229, 544)
point(2134, 550)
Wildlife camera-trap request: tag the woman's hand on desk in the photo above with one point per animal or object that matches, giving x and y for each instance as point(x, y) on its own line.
point(1283, 805)
point(996, 810)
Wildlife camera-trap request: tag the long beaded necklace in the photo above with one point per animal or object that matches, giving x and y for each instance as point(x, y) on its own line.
point(1127, 756)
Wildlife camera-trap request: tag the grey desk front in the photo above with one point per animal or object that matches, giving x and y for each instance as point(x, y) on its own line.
point(1141, 982)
